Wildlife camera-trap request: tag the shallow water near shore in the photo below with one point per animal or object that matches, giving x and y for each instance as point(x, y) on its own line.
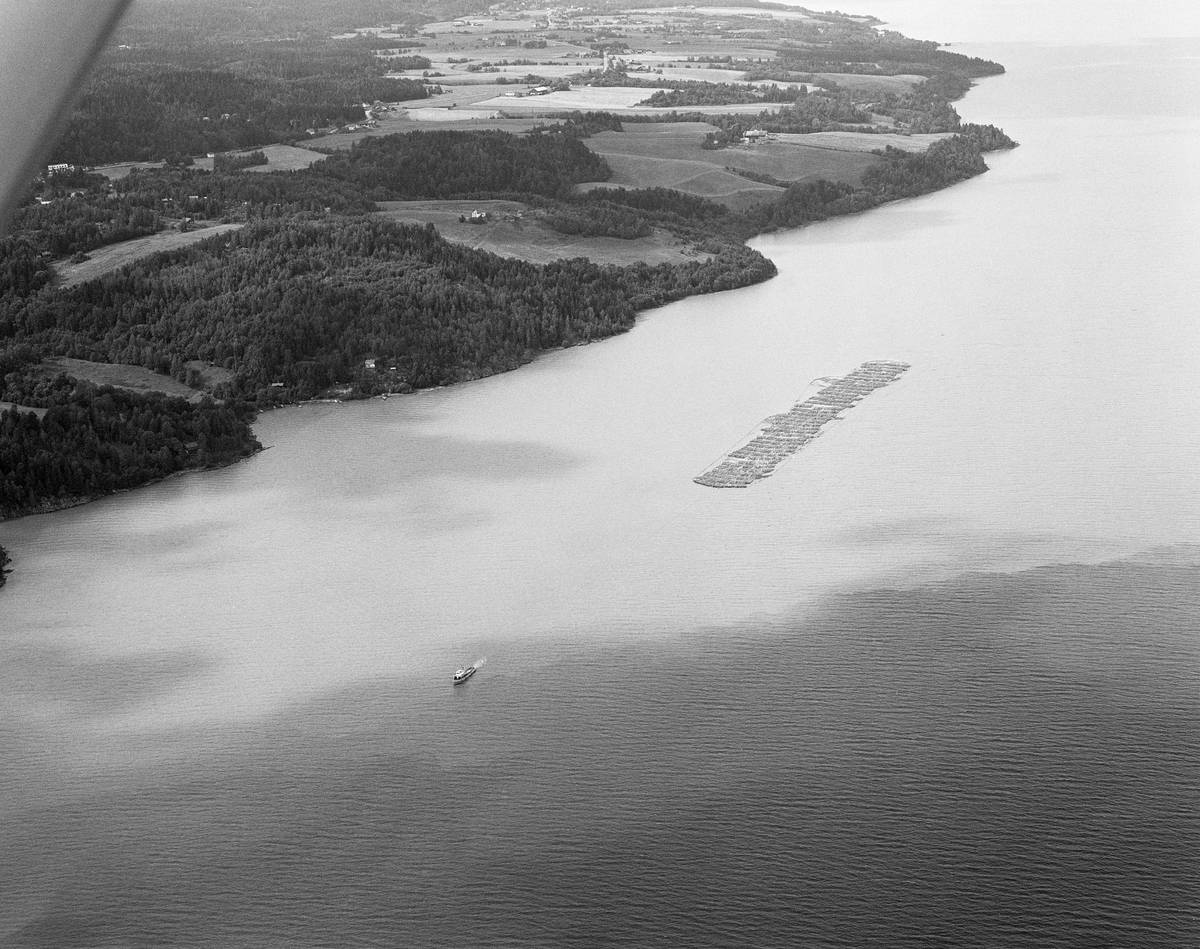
point(932, 682)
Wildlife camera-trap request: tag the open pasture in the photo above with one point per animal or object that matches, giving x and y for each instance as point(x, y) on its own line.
point(286, 158)
point(673, 71)
point(861, 141)
point(482, 25)
point(455, 117)
point(466, 121)
point(455, 75)
point(699, 178)
point(749, 13)
point(609, 99)
point(661, 49)
point(120, 376)
point(455, 96)
point(526, 238)
point(119, 170)
point(106, 259)
point(670, 155)
point(279, 158)
point(877, 84)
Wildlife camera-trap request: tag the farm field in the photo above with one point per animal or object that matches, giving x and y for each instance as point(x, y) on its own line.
point(697, 178)
point(860, 141)
point(526, 238)
point(596, 98)
point(119, 170)
point(458, 97)
point(279, 158)
point(120, 376)
point(106, 259)
point(669, 155)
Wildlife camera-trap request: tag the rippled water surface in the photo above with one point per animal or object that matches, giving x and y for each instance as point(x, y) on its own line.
point(935, 682)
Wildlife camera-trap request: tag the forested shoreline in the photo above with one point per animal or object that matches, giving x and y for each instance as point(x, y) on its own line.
point(318, 295)
point(302, 303)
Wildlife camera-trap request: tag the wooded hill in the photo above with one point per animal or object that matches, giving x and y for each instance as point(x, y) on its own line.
point(96, 440)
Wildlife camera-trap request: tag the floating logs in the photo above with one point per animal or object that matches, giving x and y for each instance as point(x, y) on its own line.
point(781, 436)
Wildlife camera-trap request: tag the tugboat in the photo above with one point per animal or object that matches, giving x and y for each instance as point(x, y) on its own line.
point(464, 674)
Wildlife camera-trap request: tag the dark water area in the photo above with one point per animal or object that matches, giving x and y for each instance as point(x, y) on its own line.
point(998, 760)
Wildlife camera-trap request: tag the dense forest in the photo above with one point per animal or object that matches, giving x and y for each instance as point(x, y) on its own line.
point(450, 164)
point(152, 111)
point(185, 26)
point(187, 79)
point(829, 107)
point(296, 306)
point(70, 214)
point(95, 440)
point(848, 49)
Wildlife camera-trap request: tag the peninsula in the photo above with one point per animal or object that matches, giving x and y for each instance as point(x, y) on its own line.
point(317, 202)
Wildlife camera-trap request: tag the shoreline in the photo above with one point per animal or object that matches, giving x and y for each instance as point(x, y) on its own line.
point(907, 180)
point(53, 506)
point(65, 504)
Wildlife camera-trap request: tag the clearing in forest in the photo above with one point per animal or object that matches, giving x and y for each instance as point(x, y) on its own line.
point(527, 238)
point(102, 260)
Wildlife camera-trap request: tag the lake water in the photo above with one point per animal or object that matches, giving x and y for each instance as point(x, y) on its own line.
point(934, 682)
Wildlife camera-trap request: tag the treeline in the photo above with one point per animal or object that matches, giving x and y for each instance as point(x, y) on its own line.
point(304, 303)
point(825, 107)
point(987, 138)
point(215, 194)
point(580, 124)
point(161, 23)
point(83, 222)
point(409, 62)
point(927, 107)
point(690, 218)
point(153, 111)
point(298, 303)
point(884, 52)
point(23, 269)
point(146, 201)
point(449, 164)
point(295, 305)
point(899, 174)
point(4, 562)
point(236, 162)
point(597, 221)
point(95, 440)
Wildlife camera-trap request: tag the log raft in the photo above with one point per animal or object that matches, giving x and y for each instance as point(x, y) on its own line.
point(781, 436)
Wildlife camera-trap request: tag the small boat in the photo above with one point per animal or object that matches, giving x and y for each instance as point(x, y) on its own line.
point(464, 674)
